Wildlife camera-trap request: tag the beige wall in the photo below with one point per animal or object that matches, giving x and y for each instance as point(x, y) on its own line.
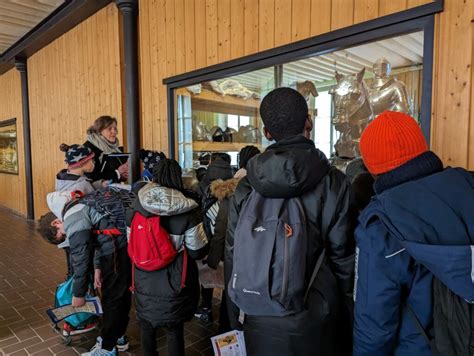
point(12, 187)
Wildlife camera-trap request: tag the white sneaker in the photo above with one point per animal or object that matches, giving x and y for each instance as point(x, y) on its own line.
point(122, 343)
point(98, 351)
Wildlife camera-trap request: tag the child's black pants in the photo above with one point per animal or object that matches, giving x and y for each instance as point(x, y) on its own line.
point(116, 296)
point(174, 335)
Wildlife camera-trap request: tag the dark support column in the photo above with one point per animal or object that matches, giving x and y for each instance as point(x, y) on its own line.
point(171, 124)
point(278, 75)
point(129, 10)
point(20, 64)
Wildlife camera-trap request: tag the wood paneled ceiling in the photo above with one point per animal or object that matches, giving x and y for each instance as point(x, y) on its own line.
point(17, 17)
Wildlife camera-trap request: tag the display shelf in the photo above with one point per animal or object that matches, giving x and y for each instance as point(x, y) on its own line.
point(212, 102)
point(202, 146)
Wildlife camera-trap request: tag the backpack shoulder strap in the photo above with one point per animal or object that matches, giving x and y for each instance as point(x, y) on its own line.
point(68, 206)
point(315, 272)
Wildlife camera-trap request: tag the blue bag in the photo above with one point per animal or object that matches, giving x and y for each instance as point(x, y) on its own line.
point(63, 296)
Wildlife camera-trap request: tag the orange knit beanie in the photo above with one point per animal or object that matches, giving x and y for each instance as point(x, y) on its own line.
point(391, 140)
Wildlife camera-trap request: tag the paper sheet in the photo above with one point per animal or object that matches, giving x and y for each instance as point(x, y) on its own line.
point(92, 306)
point(231, 343)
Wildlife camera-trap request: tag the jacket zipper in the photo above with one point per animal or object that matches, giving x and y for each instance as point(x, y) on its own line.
point(286, 265)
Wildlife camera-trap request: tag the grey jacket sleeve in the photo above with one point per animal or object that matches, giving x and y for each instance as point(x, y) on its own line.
point(195, 238)
point(78, 226)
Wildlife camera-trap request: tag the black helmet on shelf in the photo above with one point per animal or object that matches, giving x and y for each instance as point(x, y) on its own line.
point(217, 134)
point(229, 134)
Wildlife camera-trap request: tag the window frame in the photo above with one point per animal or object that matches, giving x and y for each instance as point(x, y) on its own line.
point(420, 18)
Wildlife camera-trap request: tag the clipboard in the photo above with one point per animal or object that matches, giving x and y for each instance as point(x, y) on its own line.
point(114, 159)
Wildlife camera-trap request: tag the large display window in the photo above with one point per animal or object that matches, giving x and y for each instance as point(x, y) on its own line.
point(345, 89)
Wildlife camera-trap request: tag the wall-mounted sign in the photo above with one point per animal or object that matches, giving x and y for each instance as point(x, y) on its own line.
point(8, 147)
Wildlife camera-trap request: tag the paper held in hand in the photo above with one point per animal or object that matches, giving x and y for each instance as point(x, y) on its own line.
point(92, 306)
point(231, 343)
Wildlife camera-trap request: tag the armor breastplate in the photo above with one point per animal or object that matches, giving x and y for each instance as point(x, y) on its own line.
point(390, 95)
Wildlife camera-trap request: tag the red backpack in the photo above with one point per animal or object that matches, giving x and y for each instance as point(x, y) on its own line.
point(150, 247)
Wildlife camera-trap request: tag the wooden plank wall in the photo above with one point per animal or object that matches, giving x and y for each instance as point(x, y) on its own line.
point(183, 35)
point(453, 94)
point(12, 187)
point(72, 81)
point(77, 77)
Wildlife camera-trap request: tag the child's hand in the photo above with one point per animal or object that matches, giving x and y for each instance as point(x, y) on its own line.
point(106, 183)
point(97, 278)
point(78, 301)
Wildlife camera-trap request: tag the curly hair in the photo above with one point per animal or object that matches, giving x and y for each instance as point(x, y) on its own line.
point(46, 230)
point(284, 112)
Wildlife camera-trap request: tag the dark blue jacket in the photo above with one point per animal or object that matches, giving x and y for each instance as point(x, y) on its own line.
point(420, 224)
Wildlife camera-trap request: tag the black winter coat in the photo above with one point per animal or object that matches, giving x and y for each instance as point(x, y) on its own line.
point(109, 172)
point(222, 191)
point(159, 298)
point(289, 168)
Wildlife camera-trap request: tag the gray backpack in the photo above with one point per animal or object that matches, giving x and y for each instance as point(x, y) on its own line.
point(269, 262)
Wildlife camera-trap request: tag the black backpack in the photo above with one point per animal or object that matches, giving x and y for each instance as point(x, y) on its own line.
point(453, 323)
point(111, 201)
point(269, 261)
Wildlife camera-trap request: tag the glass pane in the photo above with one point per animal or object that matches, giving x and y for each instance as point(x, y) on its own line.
point(344, 90)
point(221, 116)
point(356, 84)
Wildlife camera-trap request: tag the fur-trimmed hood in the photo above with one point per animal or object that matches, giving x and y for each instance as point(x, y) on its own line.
point(222, 189)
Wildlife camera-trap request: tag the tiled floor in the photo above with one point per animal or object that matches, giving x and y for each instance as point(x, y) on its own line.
point(30, 270)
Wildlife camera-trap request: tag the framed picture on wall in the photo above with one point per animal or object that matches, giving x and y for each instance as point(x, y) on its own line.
point(8, 147)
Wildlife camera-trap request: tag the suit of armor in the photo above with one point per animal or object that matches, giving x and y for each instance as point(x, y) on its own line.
point(387, 93)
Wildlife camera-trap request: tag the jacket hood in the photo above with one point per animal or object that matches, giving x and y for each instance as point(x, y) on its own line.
point(66, 180)
point(164, 201)
point(288, 168)
point(218, 170)
point(438, 229)
point(222, 189)
point(56, 202)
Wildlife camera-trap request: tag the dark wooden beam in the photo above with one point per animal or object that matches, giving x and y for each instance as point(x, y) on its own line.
point(129, 10)
point(20, 64)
